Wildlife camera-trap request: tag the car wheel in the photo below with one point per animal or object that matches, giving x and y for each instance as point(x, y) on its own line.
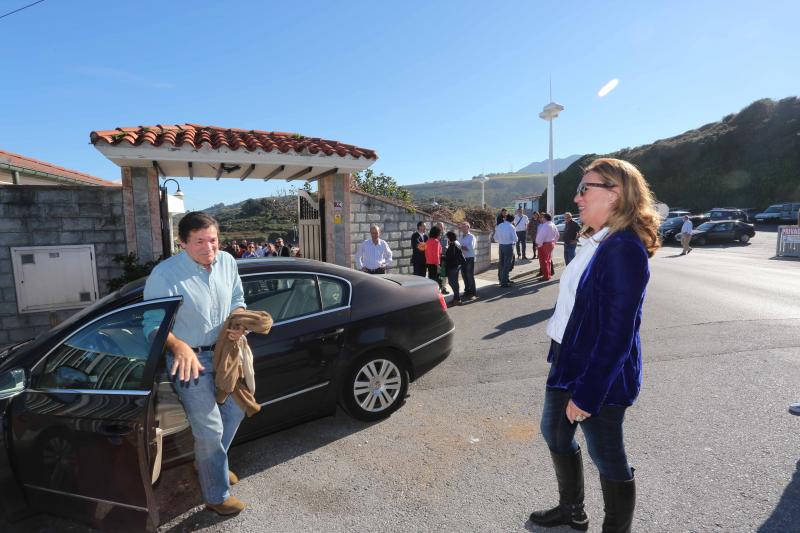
point(743, 238)
point(700, 241)
point(375, 386)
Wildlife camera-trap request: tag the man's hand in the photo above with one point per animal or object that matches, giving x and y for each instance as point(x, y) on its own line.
point(234, 334)
point(186, 365)
point(574, 411)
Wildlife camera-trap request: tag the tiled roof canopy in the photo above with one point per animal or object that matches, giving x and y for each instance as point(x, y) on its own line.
point(197, 136)
point(22, 163)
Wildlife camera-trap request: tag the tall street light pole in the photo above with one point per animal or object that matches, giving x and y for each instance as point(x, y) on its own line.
point(483, 179)
point(549, 113)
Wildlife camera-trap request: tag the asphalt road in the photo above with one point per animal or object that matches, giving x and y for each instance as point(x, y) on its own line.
point(710, 437)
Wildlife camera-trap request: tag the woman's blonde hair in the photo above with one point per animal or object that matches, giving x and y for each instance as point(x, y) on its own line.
point(634, 209)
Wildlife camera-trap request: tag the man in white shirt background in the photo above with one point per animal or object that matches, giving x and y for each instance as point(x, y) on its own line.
point(686, 234)
point(468, 242)
point(521, 227)
point(373, 255)
point(505, 236)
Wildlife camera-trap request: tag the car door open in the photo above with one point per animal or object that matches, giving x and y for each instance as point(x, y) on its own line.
point(83, 434)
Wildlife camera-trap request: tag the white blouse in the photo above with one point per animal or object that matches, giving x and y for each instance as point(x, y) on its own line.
point(568, 285)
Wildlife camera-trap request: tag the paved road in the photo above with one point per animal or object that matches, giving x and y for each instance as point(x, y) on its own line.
point(713, 444)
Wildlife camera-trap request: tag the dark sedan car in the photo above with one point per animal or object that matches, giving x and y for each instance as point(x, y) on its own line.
point(722, 231)
point(90, 421)
point(670, 229)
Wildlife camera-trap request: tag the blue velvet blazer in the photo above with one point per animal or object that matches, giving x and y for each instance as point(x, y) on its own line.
point(600, 359)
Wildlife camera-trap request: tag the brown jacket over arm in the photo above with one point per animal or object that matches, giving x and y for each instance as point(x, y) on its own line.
point(229, 378)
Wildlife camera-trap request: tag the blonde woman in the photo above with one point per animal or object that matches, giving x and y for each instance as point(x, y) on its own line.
point(595, 353)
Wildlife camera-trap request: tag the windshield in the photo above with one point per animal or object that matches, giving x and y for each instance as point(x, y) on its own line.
point(705, 227)
point(774, 209)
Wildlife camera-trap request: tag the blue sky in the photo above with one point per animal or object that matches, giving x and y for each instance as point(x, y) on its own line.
point(442, 90)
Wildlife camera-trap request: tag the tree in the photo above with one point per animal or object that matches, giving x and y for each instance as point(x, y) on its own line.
point(381, 185)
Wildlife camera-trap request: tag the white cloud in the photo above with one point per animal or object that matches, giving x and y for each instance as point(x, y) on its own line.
point(608, 87)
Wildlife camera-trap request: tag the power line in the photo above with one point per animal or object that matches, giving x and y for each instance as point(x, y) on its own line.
point(20, 9)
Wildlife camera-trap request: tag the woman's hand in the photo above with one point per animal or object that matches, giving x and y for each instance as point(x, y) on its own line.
point(575, 413)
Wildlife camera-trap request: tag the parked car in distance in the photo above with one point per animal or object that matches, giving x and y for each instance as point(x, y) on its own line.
point(677, 213)
point(751, 213)
point(727, 213)
point(558, 219)
point(89, 420)
point(563, 224)
point(722, 231)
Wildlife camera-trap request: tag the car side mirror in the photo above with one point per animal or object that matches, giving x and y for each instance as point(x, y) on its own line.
point(12, 383)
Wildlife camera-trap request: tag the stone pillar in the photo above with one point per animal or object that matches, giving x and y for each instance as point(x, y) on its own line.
point(334, 192)
point(140, 203)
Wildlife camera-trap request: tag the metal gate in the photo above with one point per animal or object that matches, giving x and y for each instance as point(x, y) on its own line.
point(309, 227)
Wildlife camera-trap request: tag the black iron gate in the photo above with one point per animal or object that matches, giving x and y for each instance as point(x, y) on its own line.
point(309, 227)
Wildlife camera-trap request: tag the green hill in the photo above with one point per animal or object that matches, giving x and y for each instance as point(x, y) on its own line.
point(501, 189)
point(747, 159)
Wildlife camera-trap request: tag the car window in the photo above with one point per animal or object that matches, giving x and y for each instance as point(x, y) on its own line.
point(108, 354)
point(335, 292)
point(706, 226)
point(724, 227)
point(284, 296)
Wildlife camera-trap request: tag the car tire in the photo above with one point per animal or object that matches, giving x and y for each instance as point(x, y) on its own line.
point(744, 238)
point(375, 386)
point(700, 241)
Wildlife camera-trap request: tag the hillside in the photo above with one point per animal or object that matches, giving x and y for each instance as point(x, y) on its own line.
point(747, 159)
point(501, 189)
point(540, 167)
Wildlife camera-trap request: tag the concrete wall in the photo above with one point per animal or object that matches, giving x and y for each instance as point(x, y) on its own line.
point(33, 215)
point(397, 225)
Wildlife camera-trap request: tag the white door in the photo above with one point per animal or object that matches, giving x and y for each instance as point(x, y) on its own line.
point(54, 277)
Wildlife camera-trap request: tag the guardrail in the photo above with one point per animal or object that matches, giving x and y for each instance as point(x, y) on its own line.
point(788, 241)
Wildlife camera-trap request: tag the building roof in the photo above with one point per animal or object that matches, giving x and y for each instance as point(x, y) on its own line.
point(196, 136)
point(22, 163)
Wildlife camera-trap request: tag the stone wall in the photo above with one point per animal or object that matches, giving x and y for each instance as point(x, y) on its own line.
point(32, 215)
point(398, 223)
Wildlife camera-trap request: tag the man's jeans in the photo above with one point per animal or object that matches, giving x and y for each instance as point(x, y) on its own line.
point(452, 279)
point(521, 235)
point(569, 252)
point(506, 257)
point(213, 427)
point(468, 271)
point(603, 431)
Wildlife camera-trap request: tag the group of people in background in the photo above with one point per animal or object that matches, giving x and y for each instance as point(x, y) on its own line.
point(441, 255)
point(245, 249)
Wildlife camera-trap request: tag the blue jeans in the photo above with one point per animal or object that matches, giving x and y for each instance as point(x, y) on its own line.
point(506, 256)
point(213, 427)
point(569, 252)
point(603, 432)
point(468, 272)
point(452, 279)
point(521, 244)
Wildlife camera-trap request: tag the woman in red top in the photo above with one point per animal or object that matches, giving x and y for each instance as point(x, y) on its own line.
point(433, 254)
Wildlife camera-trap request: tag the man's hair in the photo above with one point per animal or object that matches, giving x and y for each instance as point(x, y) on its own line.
point(504, 209)
point(435, 232)
point(451, 236)
point(420, 223)
point(547, 216)
point(510, 218)
point(375, 226)
point(466, 224)
point(193, 221)
point(568, 214)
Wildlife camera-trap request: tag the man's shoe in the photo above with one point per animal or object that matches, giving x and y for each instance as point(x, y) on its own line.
point(475, 297)
point(690, 250)
point(795, 409)
point(683, 253)
point(456, 302)
point(231, 506)
point(445, 291)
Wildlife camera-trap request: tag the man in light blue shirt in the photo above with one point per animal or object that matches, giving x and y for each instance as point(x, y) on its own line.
point(211, 288)
point(468, 242)
point(506, 236)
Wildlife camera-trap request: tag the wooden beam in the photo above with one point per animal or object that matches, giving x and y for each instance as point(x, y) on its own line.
point(324, 174)
point(300, 174)
point(219, 170)
point(191, 170)
point(248, 172)
point(159, 171)
point(275, 172)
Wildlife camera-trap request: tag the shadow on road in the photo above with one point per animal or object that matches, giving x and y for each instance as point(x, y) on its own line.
point(520, 322)
point(259, 455)
point(786, 516)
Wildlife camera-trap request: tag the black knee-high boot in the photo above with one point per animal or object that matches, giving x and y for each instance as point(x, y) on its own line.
point(569, 473)
point(619, 498)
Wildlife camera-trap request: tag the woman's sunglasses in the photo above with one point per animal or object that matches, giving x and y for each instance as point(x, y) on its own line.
point(583, 187)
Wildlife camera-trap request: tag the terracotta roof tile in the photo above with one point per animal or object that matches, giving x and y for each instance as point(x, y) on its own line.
point(29, 163)
point(196, 136)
